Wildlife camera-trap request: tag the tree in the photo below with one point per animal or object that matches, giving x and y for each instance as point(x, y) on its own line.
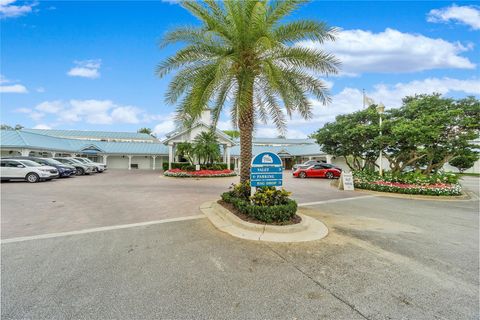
point(355, 136)
point(7, 127)
point(465, 160)
point(186, 150)
point(426, 132)
point(206, 147)
point(242, 55)
point(232, 133)
point(145, 130)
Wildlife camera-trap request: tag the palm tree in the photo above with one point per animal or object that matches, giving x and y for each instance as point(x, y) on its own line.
point(243, 57)
point(206, 147)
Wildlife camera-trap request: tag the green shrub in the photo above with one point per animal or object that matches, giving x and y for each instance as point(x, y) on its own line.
point(267, 205)
point(175, 165)
point(270, 196)
point(191, 167)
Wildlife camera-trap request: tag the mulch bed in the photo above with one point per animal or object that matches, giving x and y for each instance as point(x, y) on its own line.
point(294, 220)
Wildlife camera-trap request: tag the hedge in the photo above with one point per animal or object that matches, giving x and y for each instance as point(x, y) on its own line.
point(190, 167)
point(268, 214)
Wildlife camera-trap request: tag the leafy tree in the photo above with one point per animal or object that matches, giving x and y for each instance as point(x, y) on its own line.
point(426, 132)
point(232, 133)
point(242, 55)
point(186, 150)
point(465, 160)
point(354, 136)
point(7, 127)
point(206, 147)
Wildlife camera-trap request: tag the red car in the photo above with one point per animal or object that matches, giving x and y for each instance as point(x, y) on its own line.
point(318, 171)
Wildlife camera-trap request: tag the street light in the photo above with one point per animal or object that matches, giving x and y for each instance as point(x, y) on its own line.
point(380, 110)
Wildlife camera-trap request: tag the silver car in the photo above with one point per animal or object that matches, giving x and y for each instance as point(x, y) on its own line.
point(99, 167)
point(79, 166)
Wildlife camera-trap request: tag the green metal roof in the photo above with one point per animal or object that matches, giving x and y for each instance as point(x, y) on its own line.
point(25, 139)
point(91, 134)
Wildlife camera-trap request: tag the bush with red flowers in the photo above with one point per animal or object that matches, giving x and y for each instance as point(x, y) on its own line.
point(179, 173)
point(410, 183)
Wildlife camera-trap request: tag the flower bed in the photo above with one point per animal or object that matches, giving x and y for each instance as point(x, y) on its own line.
point(433, 185)
point(200, 173)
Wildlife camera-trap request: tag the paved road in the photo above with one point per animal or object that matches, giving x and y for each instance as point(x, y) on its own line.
point(385, 258)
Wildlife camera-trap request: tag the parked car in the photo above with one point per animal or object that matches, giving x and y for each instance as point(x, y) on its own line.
point(99, 167)
point(312, 162)
point(26, 170)
point(322, 170)
point(64, 170)
point(80, 168)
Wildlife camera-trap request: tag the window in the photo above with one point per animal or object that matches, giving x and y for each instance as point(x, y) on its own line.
point(12, 164)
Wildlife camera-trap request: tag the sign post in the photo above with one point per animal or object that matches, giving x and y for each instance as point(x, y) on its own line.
point(266, 170)
point(346, 181)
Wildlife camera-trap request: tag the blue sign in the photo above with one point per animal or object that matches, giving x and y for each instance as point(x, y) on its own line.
point(266, 170)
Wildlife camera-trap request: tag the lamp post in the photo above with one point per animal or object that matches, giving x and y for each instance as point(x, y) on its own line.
point(380, 110)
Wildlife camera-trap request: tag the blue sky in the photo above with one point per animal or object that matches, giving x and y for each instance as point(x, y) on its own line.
point(90, 65)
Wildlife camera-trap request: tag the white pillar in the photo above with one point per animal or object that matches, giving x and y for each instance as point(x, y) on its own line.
point(309, 158)
point(154, 157)
point(170, 156)
point(129, 162)
point(329, 158)
point(25, 152)
point(161, 162)
point(54, 154)
point(105, 156)
point(228, 157)
point(225, 153)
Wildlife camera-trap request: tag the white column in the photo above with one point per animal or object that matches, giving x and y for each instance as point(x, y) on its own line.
point(25, 152)
point(329, 158)
point(225, 153)
point(161, 162)
point(54, 154)
point(309, 158)
point(228, 157)
point(129, 162)
point(154, 157)
point(170, 156)
point(105, 156)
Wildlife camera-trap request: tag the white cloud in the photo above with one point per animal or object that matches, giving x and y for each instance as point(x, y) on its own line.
point(86, 69)
point(50, 106)
point(13, 88)
point(469, 15)
point(164, 127)
point(126, 114)
point(6, 86)
point(40, 90)
point(271, 132)
point(91, 111)
point(36, 116)
point(23, 110)
point(42, 126)
point(9, 10)
point(351, 99)
point(392, 51)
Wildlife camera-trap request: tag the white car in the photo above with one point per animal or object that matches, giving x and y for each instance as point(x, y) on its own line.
point(99, 166)
point(27, 170)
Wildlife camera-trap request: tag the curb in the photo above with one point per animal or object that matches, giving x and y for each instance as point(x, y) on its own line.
point(464, 197)
point(308, 229)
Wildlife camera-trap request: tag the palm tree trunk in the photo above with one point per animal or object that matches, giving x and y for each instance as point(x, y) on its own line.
point(245, 125)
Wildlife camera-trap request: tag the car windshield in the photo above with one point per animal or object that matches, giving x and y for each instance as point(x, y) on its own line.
point(82, 160)
point(52, 161)
point(29, 163)
point(75, 161)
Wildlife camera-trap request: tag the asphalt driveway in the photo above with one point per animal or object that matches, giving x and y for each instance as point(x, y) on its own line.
point(385, 258)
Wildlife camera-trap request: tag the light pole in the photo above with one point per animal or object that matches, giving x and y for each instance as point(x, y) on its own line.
point(380, 110)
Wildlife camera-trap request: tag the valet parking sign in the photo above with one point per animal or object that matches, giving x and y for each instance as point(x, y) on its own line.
point(266, 170)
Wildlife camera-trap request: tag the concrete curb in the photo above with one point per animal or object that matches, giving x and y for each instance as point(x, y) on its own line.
point(464, 197)
point(308, 229)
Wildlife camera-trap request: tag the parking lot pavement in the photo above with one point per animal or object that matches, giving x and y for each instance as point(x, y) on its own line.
point(119, 197)
point(384, 258)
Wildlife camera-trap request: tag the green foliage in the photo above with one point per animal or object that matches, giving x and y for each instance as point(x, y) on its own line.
point(425, 133)
point(232, 133)
point(189, 167)
point(439, 184)
point(186, 150)
point(242, 51)
point(270, 196)
point(206, 147)
point(465, 160)
point(240, 190)
point(145, 130)
point(268, 213)
point(7, 127)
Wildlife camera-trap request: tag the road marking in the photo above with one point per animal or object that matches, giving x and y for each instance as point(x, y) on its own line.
point(121, 226)
point(335, 200)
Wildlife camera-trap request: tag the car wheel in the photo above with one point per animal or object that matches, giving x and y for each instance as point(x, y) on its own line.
point(32, 177)
point(302, 175)
point(329, 175)
point(80, 172)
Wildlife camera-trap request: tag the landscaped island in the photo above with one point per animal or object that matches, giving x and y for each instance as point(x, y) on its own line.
point(267, 205)
point(199, 173)
point(445, 184)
